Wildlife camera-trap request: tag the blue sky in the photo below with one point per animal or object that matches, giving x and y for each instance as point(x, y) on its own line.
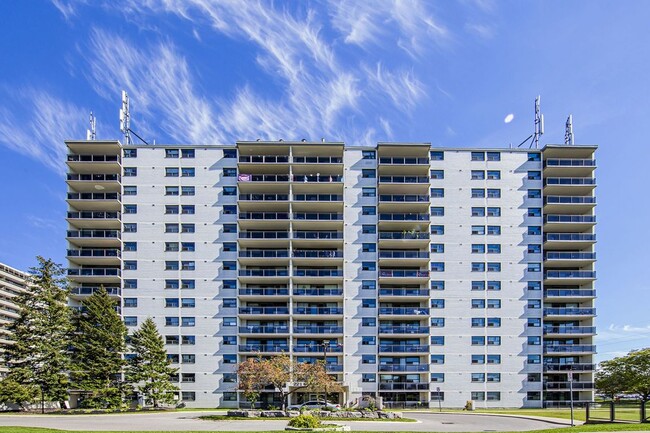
point(201, 71)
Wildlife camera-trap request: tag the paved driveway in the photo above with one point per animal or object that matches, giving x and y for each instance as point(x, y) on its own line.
point(187, 421)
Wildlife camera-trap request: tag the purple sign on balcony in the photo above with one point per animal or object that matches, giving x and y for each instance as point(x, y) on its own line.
point(244, 177)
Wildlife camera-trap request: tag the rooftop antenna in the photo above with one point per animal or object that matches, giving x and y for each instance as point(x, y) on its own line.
point(569, 138)
point(125, 121)
point(91, 134)
point(539, 127)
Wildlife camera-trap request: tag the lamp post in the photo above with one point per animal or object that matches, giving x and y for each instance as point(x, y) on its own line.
point(326, 345)
point(570, 375)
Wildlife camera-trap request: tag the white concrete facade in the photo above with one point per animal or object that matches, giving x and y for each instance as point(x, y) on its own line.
point(12, 283)
point(391, 257)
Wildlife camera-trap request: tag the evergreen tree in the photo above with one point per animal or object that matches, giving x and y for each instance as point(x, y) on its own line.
point(39, 358)
point(98, 347)
point(149, 369)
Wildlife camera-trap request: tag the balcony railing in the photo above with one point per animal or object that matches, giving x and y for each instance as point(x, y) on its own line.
point(317, 235)
point(569, 348)
point(317, 348)
point(314, 216)
point(405, 348)
point(318, 272)
point(569, 367)
point(317, 197)
point(401, 254)
point(317, 160)
point(404, 179)
point(404, 217)
point(400, 273)
point(570, 219)
point(264, 292)
point(264, 254)
point(94, 196)
point(403, 235)
point(318, 292)
point(398, 160)
point(317, 254)
point(570, 274)
point(569, 181)
point(264, 235)
point(569, 162)
point(403, 386)
point(569, 237)
point(95, 252)
point(574, 311)
point(315, 329)
point(566, 385)
point(263, 177)
point(569, 255)
point(263, 348)
point(334, 368)
point(570, 293)
point(404, 198)
point(399, 368)
point(403, 292)
point(264, 273)
point(263, 215)
point(112, 291)
point(263, 329)
point(94, 215)
point(403, 329)
point(325, 311)
point(115, 234)
point(264, 197)
point(569, 330)
point(264, 159)
point(404, 311)
point(93, 177)
point(559, 199)
point(93, 158)
point(317, 179)
point(263, 310)
point(94, 272)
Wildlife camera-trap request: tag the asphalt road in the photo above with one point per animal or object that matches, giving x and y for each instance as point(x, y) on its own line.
point(187, 421)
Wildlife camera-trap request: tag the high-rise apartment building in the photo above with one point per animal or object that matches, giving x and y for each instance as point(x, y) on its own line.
point(12, 283)
point(416, 273)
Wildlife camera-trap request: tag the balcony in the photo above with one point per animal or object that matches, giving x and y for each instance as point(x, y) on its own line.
point(404, 329)
point(265, 234)
point(95, 275)
point(403, 386)
point(318, 273)
point(573, 241)
point(317, 160)
point(309, 178)
point(318, 311)
point(576, 385)
point(87, 291)
point(95, 201)
point(548, 367)
point(257, 197)
point(401, 217)
point(401, 292)
point(89, 182)
point(253, 274)
point(411, 275)
point(403, 311)
point(404, 198)
point(569, 162)
point(395, 160)
point(317, 235)
point(94, 238)
point(404, 235)
point(404, 368)
point(403, 254)
point(569, 293)
point(318, 197)
point(95, 219)
point(318, 329)
point(574, 185)
point(264, 216)
point(403, 348)
point(404, 179)
point(95, 256)
point(570, 348)
point(325, 239)
point(83, 164)
point(568, 167)
point(570, 276)
point(263, 178)
point(569, 256)
point(569, 330)
point(256, 292)
point(574, 311)
point(317, 254)
point(264, 311)
point(264, 254)
point(334, 368)
point(263, 329)
point(264, 348)
point(264, 159)
point(317, 348)
point(572, 204)
point(317, 216)
point(318, 292)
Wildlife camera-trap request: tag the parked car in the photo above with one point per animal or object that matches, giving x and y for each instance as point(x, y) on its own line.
point(315, 404)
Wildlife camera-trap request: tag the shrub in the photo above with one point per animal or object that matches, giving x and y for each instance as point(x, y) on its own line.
point(305, 421)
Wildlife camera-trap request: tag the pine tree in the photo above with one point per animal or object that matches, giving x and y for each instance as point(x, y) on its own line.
point(39, 358)
point(98, 347)
point(149, 369)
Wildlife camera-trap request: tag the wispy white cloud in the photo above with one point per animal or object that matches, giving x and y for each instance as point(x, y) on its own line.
point(44, 123)
point(45, 223)
point(483, 31)
point(66, 8)
point(403, 87)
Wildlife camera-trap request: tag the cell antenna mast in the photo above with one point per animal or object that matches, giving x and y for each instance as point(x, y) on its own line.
point(125, 119)
point(569, 138)
point(539, 123)
point(91, 134)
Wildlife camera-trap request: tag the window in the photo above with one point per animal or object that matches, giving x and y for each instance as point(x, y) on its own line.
point(437, 192)
point(130, 246)
point(188, 265)
point(368, 173)
point(478, 359)
point(172, 284)
point(171, 153)
point(534, 267)
point(173, 358)
point(368, 359)
point(229, 190)
point(368, 340)
point(534, 212)
point(171, 209)
point(368, 266)
point(478, 156)
point(171, 172)
point(494, 193)
point(437, 359)
point(368, 210)
point(478, 175)
point(494, 322)
point(437, 377)
point(229, 321)
point(171, 321)
point(437, 340)
point(478, 340)
point(494, 303)
point(188, 322)
point(534, 248)
point(534, 285)
point(171, 265)
point(534, 175)
point(369, 247)
point(130, 171)
point(478, 193)
point(437, 211)
point(437, 303)
point(478, 248)
point(188, 284)
point(368, 377)
point(534, 156)
point(171, 246)
point(478, 322)
point(230, 153)
point(494, 395)
point(230, 359)
point(188, 209)
point(437, 248)
point(130, 190)
point(369, 303)
point(368, 285)
point(368, 321)
point(494, 174)
point(437, 285)
point(368, 154)
point(478, 303)
point(478, 211)
point(534, 323)
point(438, 322)
point(437, 174)
point(534, 193)
point(130, 284)
point(130, 153)
point(494, 359)
point(188, 190)
point(188, 303)
point(494, 211)
point(229, 172)
point(229, 284)
point(188, 377)
point(478, 377)
point(478, 267)
point(437, 155)
point(534, 304)
point(130, 265)
point(369, 229)
point(187, 153)
point(172, 339)
point(188, 359)
point(229, 377)
point(533, 395)
point(437, 266)
point(437, 230)
point(534, 231)
point(494, 340)
point(494, 267)
point(494, 156)
point(130, 302)
point(230, 340)
point(188, 228)
point(494, 230)
point(189, 340)
point(188, 246)
point(494, 248)
point(171, 303)
point(171, 190)
point(478, 230)
point(478, 285)
point(230, 303)
point(229, 246)
point(171, 228)
point(188, 172)
point(229, 396)
point(534, 341)
point(369, 192)
point(230, 228)
point(229, 265)
point(534, 359)
point(494, 285)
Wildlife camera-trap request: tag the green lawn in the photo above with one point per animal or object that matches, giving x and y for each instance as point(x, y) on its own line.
point(259, 418)
point(578, 413)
